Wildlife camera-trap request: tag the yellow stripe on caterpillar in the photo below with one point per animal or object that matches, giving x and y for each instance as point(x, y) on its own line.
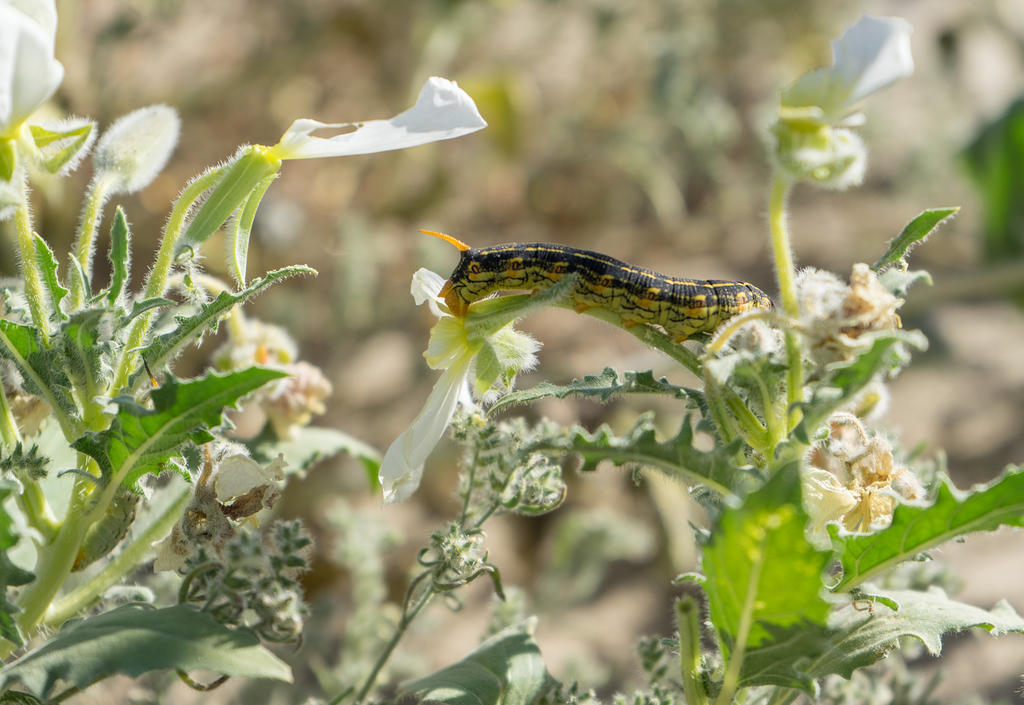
point(683, 307)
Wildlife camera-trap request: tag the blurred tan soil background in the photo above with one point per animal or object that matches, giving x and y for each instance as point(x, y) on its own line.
point(635, 129)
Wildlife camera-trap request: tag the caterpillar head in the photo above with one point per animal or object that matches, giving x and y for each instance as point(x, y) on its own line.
point(450, 291)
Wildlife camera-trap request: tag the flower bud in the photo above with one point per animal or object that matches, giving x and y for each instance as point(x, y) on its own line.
point(135, 148)
point(830, 157)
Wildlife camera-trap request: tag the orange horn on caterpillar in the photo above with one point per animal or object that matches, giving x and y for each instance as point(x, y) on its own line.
point(454, 241)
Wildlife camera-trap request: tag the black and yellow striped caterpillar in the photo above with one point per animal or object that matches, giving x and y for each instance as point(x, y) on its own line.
point(683, 307)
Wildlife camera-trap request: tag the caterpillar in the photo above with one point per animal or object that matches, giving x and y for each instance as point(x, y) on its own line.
point(682, 307)
point(101, 538)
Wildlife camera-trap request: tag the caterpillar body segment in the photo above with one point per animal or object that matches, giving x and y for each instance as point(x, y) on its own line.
point(683, 307)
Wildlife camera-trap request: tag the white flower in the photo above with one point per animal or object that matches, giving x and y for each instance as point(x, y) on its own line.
point(482, 351)
point(29, 74)
point(442, 111)
point(869, 56)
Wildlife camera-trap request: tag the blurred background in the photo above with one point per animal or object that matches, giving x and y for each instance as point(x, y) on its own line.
point(636, 129)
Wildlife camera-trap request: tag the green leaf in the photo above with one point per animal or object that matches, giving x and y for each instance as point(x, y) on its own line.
point(85, 354)
point(134, 639)
point(915, 529)
point(238, 182)
point(10, 574)
point(761, 574)
point(675, 457)
point(48, 266)
point(995, 161)
point(915, 231)
point(238, 237)
point(863, 636)
point(844, 380)
point(119, 255)
point(140, 307)
point(141, 440)
point(312, 444)
point(166, 347)
point(507, 669)
point(39, 368)
point(601, 386)
point(59, 148)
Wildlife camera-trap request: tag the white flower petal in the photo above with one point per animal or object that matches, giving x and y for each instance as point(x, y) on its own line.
point(443, 111)
point(426, 288)
point(872, 54)
point(28, 72)
point(402, 467)
point(869, 56)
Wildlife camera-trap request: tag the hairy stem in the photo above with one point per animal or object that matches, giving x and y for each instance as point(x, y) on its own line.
point(38, 302)
point(156, 282)
point(688, 626)
point(403, 624)
point(785, 271)
point(85, 239)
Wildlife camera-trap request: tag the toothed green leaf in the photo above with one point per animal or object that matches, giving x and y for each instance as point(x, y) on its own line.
point(142, 440)
point(167, 346)
point(48, 266)
point(119, 255)
point(134, 639)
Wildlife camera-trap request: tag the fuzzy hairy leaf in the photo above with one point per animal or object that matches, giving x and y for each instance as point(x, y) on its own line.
point(675, 457)
point(312, 444)
point(141, 440)
point(507, 669)
point(39, 367)
point(845, 380)
point(760, 573)
point(47, 264)
point(135, 639)
point(119, 255)
point(85, 351)
point(59, 148)
point(10, 574)
point(166, 347)
point(915, 231)
point(603, 387)
point(915, 529)
point(861, 637)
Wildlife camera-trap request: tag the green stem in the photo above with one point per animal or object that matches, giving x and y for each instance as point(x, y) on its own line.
point(156, 282)
point(785, 272)
point(727, 429)
point(403, 624)
point(32, 502)
point(55, 560)
point(648, 335)
point(127, 560)
point(688, 626)
point(85, 240)
point(9, 434)
point(33, 278)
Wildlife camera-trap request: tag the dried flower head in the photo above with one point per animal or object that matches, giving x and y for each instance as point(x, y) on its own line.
point(851, 477)
point(839, 319)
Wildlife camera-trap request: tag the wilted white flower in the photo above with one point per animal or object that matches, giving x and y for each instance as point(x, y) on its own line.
point(29, 73)
point(486, 357)
point(852, 478)
point(839, 319)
